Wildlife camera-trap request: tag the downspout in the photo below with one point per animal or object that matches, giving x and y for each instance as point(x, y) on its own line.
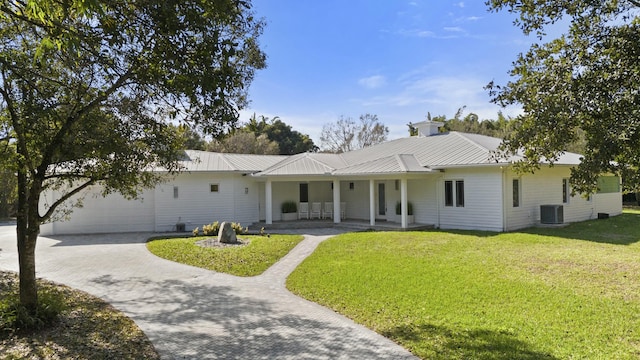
point(504, 197)
point(439, 186)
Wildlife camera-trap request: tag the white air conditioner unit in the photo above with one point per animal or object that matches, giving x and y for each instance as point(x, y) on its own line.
point(551, 214)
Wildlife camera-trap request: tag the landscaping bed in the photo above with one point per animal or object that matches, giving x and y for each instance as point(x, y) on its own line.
point(86, 328)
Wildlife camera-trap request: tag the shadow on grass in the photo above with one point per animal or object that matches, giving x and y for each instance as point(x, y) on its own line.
point(447, 343)
point(623, 229)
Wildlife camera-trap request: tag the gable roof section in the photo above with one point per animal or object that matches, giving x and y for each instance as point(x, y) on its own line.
point(399, 163)
point(440, 150)
point(306, 164)
point(196, 160)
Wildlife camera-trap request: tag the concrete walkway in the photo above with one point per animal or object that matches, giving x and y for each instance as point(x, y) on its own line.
point(191, 313)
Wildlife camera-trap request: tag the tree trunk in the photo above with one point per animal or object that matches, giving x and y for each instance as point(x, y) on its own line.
point(27, 230)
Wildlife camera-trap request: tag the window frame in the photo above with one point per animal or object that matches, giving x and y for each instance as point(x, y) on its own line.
point(566, 190)
point(516, 192)
point(448, 193)
point(454, 193)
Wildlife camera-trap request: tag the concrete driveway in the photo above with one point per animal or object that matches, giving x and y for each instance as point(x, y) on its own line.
point(191, 313)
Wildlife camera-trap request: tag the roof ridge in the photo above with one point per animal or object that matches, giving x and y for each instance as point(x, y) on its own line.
point(401, 162)
point(223, 156)
point(463, 135)
point(308, 155)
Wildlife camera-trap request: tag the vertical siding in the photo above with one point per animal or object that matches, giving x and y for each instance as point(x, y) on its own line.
point(482, 200)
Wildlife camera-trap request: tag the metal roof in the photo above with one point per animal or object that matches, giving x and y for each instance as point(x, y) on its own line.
point(399, 163)
point(417, 154)
point(195, 160)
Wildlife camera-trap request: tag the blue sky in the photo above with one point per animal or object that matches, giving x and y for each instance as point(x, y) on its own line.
point(396, 59)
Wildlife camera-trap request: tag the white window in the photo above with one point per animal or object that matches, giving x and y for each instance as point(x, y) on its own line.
point(454, 195)
point(566, 191)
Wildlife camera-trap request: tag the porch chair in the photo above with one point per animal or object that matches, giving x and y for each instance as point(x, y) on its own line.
point(327, 212)
point(303, 210)
point(315, 210)
point(343, 210)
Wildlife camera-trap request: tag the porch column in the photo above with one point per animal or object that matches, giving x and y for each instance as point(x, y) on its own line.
point(336, 201)
point(403, 202)
point(372, 202)
point(268, 203)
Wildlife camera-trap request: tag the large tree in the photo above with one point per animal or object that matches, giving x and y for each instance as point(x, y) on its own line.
point(290, 142)
point(346, 135)
point(87, 89)
point(580, 87)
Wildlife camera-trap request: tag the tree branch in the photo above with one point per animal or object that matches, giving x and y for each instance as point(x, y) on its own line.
point(64, 198)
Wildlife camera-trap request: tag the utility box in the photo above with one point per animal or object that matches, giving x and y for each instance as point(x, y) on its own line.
point(551, 214)
point(180, 227)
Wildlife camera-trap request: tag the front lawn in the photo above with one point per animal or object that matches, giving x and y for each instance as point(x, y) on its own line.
point(250, 260)
point(568, 293)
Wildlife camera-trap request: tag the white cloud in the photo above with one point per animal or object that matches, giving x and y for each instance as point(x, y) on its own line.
point(373, 82)
point(454, 29)
point(459, 4)
point(439, 95)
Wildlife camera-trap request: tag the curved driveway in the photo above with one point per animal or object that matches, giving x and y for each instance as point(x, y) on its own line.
point(192, 313)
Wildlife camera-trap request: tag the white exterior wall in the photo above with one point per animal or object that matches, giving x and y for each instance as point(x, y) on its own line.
point(196, 205)
point(608, 203)
point(545, 188)
point(422, 194)
point(113, 213)
point(482, 200)
point(357, 200)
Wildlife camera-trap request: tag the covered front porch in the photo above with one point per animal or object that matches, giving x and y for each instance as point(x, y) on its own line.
point(379, 203)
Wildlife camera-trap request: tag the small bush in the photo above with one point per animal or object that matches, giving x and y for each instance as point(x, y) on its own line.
point(289, 207)
point(238, 228)
point(399, 208)
point(14, 316)
point(196, 232)
point(211, 229)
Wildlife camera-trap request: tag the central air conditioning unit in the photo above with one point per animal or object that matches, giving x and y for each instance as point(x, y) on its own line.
point(551, 214)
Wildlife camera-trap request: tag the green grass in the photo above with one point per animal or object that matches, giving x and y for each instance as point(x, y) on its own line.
point(250, 260)
point(568, 293)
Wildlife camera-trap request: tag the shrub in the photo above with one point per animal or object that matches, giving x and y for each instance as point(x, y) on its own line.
point(196, 232)
point(238, 229)
point(211, 229)
point(399, 208)
point(289, 207)
point(14, 316)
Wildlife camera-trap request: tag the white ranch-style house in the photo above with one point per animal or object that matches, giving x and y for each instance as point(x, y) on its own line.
point(448, 180)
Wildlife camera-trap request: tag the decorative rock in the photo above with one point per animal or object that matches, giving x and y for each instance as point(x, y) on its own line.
point(226, 234)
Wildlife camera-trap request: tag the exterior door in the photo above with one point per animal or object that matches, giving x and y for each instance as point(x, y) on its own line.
point(382, 202)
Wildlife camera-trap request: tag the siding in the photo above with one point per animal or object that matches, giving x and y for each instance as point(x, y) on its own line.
point(608, 203)
point(545, 188)
point(423, 194)
point(482, 200)
point(112, 213)
point(196, 205)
